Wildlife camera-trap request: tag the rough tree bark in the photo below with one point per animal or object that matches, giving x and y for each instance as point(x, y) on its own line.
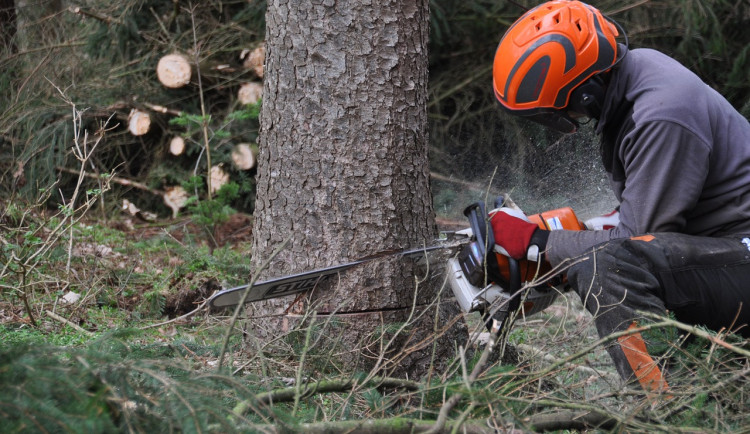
point(343, 169)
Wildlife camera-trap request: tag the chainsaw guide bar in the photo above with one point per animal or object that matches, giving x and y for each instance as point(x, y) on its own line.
point(301, 282)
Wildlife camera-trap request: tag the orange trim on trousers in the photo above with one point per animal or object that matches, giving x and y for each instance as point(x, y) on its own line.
point(644, 367)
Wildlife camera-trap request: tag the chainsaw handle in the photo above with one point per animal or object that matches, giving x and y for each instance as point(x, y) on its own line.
point(514, 283)
point(502, 315)
point(480, 226)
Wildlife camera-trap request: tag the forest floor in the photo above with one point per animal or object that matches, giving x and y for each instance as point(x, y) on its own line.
point(133, 282)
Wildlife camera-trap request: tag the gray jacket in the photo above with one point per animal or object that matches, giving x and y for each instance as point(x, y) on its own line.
point(677, 154)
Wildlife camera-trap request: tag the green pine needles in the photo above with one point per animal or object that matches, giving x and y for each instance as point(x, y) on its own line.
point(108, 386)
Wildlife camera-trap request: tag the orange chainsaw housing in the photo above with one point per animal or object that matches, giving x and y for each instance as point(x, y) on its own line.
point(556, 219)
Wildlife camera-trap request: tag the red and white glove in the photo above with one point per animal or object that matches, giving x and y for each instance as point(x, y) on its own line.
point(514, 233)
point(603, 222)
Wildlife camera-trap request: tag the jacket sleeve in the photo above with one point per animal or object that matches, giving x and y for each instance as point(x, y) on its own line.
point(666, 166)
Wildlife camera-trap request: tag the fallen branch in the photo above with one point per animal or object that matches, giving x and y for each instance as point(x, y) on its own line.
point(563, 420)
point(179, 318)
point(96, 15)
point(115, 179)
point(288, 394)
point(570, 420)
point(395, 425)
point(161, 109)
point(57, 317)
point(575, 413)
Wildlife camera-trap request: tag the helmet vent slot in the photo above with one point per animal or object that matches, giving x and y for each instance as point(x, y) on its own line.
point(578, 25)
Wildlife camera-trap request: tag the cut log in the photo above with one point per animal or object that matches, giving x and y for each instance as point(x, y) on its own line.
point(250, 93)
point(174, 70)
point(218, 178)
point(139, 122)
point(244, 156)
point(177, 145)
point(130, 208)
point(254, 59)
point(175, 198)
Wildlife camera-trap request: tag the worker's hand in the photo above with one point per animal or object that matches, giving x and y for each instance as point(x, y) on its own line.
point(603, 222)
point(514, 233)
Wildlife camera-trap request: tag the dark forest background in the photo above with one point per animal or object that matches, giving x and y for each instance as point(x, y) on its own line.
point(100, 57)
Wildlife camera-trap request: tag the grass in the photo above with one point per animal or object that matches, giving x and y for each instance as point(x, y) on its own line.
point(22, 335)
point(132, 369)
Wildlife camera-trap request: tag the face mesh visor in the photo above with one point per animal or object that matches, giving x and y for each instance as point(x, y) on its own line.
point(554, 119)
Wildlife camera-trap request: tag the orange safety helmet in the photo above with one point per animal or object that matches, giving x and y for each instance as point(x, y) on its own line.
point(547, 55)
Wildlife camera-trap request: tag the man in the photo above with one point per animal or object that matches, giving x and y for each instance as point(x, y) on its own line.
point(678, 158)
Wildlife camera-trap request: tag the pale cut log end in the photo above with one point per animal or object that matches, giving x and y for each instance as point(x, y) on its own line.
point(250, 93)
point(177, 146)
point(244, 156)
point(139, 122)
point(174, 71)
point(175, 198)
point(218, 178)
point(254, 59)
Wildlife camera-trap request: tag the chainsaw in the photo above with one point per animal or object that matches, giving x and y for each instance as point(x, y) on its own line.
point(485, 279)
point(482, 276)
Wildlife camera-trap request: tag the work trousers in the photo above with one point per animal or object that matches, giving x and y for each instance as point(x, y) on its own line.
point(700, 280)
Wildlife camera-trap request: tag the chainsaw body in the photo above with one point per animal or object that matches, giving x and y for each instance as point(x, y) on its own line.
point(485, 280)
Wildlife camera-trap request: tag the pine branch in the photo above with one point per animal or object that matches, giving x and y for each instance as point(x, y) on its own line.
point(697, 332)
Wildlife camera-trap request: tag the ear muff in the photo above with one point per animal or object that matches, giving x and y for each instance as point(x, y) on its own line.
point(588, 98)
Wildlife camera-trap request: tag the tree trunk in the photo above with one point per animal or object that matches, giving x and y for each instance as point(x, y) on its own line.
point(343, 171)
